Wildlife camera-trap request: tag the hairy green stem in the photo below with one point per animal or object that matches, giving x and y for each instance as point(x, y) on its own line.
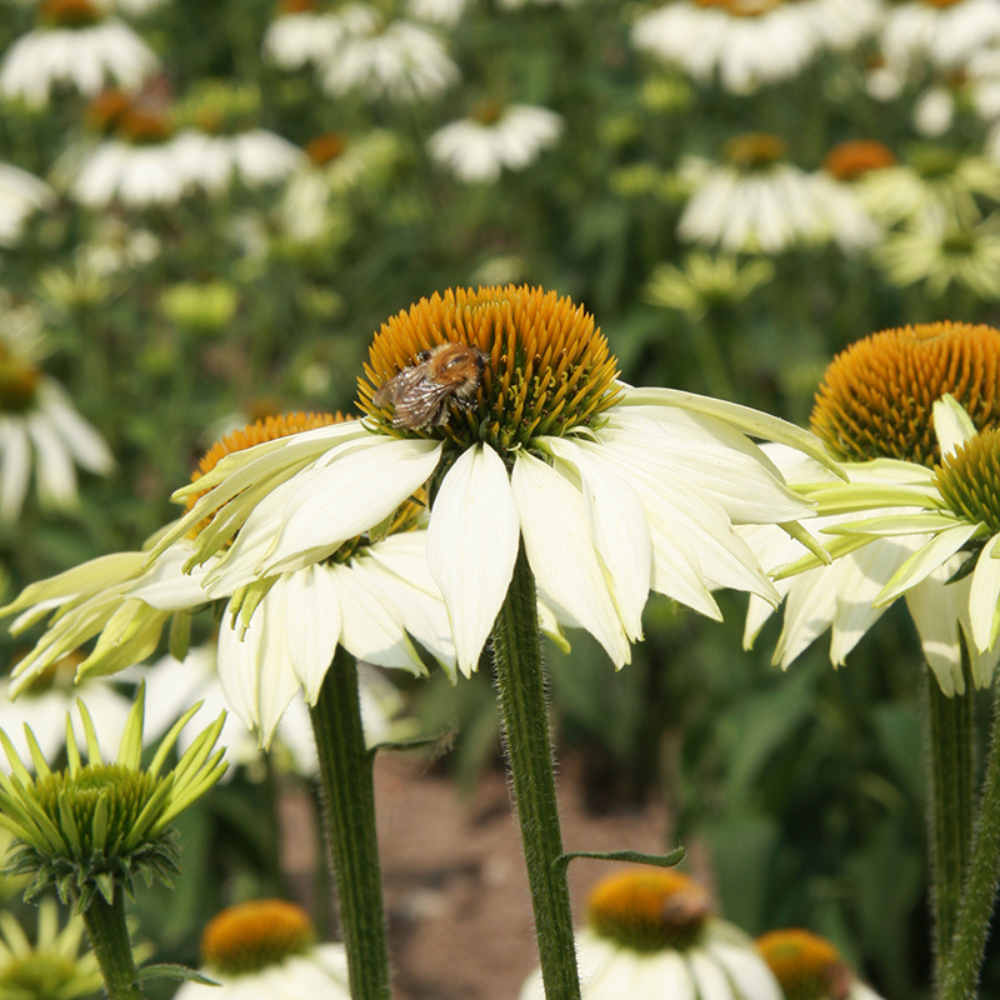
point(109, 938)
point(951, 742)
point(521, 688)
point(960, 974)
point(349, 813)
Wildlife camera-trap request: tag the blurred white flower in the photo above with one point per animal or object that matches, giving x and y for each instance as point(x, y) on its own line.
point(264, 950)
point(21, 194)
point(255, 157)
point(444, 12)
point(756, 202)
point(750, 43)
point(46, 704)
point(946, 35)
point(76, 45)
point(135, 176)
point(172, 687)
point(477, 148)
point(651, 934)
point(398, 60)
point(705, 281)
point(304, 35)
point(37, 415)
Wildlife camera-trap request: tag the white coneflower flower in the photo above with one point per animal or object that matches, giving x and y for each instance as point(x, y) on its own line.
point(76, 44)
point(808, 967)
point(515, 421)
point(652, 933)
point(266, 948)
point(937, 250)
point(369, 595)
point(52, 965)
point(755, 202)
point(932, 177)
point(443, 12)
point(136, 164)
point(750, 43)
point(21, 195)
point(477, 148)
point(850, 223)
point(876, 409)
point(944, 32)
point(45, 705)
point(37, 416)
point(303, 32)
point(223, 144)
point(398, 60)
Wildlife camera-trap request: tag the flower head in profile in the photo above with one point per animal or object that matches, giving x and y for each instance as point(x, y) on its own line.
point(850, 222)
point(39, 426)
point(51, 967)
point(653, 933)
point(476, 149)
point(504, 404)
point(755, 201)
point(705, 283)
point(266, 948)
point(944, 34)
point(372, 594)
point(93, 827)
point(879, 408)
point(77, 43)
point(808, 967)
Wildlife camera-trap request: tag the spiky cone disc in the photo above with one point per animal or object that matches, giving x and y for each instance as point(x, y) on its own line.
point(876, 399)
point(251, 936)
point(969, 480)
point(807, 966)
point(548, 368)
point(649, 911)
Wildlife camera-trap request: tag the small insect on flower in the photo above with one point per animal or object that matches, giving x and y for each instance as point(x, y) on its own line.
point(420, 393)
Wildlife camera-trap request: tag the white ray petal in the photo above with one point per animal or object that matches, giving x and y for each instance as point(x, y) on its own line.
point(312, 611)
point(619, 529)
point(933, 606)
point(472, 545)
point(560, 549)
point(984, 609)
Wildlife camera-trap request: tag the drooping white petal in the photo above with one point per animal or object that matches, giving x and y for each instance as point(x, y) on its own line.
point(472, 545)
point(933, 606)
point(710, 980)
point(15, 468)
point(349, 496)
point(238, 670)
point(371, 625)
point(984, 599)
point(747, 968)
point(619, 529)
point(560, 549)
point(166, 586)
point(312, 613)
point(54, 468)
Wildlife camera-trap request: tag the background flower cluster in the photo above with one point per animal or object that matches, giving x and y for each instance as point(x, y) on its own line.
point(206, 209)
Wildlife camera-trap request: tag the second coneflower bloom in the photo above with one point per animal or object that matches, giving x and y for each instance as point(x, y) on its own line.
point(504, 405)
point(879, 409)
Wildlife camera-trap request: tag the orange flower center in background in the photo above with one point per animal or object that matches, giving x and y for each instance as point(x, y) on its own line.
point(68, 13)
point(325, 148)
point(807, 967)
point(488, 112)
point(295, 7)
point(253, 936)
point(18, 384)
point(649, 910)
point(106, 109)
point(266, 429)
point(754, 151)
point(544, 366)
point(876, 399)
point(850, 160)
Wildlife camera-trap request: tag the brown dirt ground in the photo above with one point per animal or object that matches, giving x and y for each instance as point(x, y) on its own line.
point(459, 912)
point(458, 908)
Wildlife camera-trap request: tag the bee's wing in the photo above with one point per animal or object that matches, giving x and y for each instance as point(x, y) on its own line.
point(418, 403)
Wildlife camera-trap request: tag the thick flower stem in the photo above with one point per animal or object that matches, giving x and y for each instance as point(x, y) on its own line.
point(951, 742)
point(349, 800)
point(961, 973)
point(521, 688)
point(109, 938)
